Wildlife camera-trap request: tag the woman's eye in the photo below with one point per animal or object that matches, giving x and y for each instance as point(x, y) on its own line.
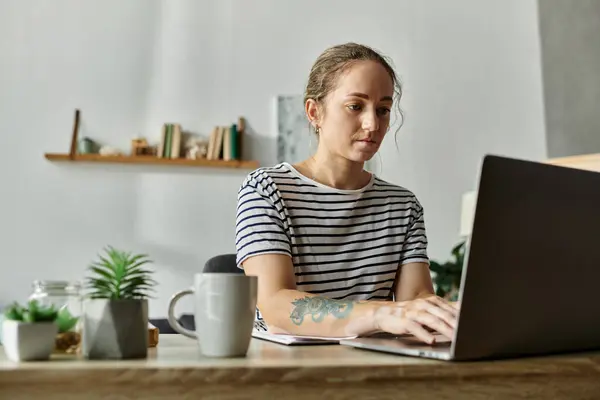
point(384, 111)
point(354, 107)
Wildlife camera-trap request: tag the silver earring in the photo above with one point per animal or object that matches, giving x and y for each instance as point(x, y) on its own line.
point(317, 130)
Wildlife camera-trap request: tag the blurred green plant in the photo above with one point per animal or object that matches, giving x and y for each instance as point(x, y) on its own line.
point(447, 274)
point(32, 312)
point(65, 320)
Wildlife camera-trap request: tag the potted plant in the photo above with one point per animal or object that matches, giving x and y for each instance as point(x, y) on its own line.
point(115, 313)
point(448, 274)
point(28, 333)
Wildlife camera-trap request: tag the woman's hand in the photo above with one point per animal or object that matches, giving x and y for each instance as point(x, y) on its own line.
point(418, 317)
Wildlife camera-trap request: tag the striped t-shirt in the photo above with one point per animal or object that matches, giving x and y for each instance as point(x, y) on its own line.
point(344, 244)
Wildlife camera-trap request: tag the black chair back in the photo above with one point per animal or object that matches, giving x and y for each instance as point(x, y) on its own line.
point(223, 263)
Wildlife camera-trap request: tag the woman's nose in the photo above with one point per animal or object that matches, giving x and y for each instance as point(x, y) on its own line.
point(370, 122)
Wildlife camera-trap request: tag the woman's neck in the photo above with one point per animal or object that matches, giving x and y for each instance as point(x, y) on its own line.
point(337, 172)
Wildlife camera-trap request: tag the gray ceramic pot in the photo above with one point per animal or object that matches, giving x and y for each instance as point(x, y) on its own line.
point(115, 329)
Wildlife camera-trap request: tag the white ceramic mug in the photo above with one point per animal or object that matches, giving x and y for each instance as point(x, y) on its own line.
point(224, 311)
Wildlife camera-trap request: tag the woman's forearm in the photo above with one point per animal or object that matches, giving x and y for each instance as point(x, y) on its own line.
point(303, 313)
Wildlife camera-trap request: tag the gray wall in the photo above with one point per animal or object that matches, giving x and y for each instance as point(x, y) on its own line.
point(570, 42)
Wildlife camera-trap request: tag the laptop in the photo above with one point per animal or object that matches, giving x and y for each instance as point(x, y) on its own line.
point(531, 271)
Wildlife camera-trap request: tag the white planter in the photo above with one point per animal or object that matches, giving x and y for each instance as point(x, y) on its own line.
point(25, 341)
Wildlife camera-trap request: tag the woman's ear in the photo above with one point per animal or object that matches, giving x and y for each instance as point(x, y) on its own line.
point(312, 112)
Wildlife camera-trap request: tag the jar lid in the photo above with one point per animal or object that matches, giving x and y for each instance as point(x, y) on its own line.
point(51, 285)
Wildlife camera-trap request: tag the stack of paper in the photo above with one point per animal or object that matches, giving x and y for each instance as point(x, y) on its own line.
point(260, 331)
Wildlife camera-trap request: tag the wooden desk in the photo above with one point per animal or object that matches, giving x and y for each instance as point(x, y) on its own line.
point(174, 370)
point(589, 162)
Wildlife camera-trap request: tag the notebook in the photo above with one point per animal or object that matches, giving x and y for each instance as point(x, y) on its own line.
point(261, 331)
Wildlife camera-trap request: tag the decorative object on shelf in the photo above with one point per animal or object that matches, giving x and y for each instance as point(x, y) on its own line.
point(140, 147)
point(87, 146)
point(64, 296)
point(294, 139)
point(28, 333)
point(196, 148)
point(109, 151)
point(137, 146)
point(115, 316)
point(73, 148)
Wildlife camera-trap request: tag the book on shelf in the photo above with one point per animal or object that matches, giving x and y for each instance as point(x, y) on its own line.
point(225, 142)
point(170, 141)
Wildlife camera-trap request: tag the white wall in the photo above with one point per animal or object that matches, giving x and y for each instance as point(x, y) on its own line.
point(472, 82)
point(473, 86)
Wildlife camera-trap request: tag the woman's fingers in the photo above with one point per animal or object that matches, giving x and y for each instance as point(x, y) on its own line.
point(443, 304)
point(432, 321)
point(417, 316)
point(416, 322)
point(417, 330)
point(435, 306)
point(444, 315)
point(397, 322)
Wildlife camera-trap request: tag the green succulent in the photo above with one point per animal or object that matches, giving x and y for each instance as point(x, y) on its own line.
point(120, 275)
point(33, 312)
point(448, 274)
point(65, 320)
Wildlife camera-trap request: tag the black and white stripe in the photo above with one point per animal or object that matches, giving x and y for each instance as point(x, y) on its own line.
point(344, 244)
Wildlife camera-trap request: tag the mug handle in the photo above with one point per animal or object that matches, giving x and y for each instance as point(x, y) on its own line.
point(173, 321)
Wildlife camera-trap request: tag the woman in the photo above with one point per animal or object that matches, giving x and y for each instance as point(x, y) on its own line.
point(338, 251)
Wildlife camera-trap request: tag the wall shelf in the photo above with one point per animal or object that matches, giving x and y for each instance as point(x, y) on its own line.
point(152, 160)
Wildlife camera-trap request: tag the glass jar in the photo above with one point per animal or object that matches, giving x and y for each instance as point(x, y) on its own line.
point(67, 300)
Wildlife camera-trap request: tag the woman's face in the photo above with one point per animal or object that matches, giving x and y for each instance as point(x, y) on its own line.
point(357, 113)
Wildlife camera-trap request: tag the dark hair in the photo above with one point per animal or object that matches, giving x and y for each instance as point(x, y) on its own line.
point(334, 61)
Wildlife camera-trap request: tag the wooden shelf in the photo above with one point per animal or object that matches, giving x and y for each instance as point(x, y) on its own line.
point(183, 162)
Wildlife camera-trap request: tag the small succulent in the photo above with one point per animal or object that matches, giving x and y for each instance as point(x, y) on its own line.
point(65, 320)
point(120, 275)
point(33, 312)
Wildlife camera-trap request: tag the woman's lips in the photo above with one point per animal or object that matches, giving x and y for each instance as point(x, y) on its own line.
point(367, 143)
